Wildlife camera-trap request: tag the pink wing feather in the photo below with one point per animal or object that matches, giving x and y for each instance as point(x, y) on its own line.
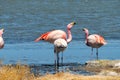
point(42, 37)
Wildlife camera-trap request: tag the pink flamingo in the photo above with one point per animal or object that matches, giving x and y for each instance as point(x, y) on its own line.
point(60, 40)
point(1, 39)
point(94, 41)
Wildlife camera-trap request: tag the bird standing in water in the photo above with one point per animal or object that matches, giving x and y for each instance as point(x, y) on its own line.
point(59, 46)
point(1, 39)
point(60, 39)
point(94, 41)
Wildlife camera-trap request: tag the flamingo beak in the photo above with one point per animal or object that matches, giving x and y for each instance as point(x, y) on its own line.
point(3, 30)
point(73, 23)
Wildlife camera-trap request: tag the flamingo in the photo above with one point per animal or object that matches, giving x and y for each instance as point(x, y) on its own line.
point(60, 39)
point(59, 46)
point(94, 40)
point(1, 39)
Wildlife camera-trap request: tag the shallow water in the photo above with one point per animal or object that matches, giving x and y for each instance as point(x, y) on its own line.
point(25, 20)
point(42, 53)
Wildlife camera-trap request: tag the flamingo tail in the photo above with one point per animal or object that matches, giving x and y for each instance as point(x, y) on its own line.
point(42, 37)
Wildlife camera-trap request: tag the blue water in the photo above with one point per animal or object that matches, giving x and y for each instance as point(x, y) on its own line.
point(25, 20)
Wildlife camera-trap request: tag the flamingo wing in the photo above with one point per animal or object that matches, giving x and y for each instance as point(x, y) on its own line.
point(100, 39)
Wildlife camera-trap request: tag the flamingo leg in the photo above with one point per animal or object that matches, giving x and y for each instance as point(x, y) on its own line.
point(92, 51)
point(57, 62)
point(97, 53)
point(62, 59)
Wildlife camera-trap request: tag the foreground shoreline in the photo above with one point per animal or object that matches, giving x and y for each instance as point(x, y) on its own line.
point(106, 70)
point(69, 76)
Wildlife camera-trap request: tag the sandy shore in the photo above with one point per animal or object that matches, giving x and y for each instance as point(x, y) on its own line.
point(69, 76)
point(106, 69)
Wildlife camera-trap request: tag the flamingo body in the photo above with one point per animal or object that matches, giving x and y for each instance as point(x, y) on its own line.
point(95, 41)
point(52, 36)
point(1, 42)
point(1, 39)
point(60, 45)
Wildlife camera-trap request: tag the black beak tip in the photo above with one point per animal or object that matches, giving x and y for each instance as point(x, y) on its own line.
point(83, 29)
point(74, 22)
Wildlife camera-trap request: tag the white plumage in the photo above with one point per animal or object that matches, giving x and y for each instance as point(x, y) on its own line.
point(1, 42)
point(1, 39)
point(59, 45)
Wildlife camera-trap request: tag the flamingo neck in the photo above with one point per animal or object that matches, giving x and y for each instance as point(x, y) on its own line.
point(69, 39)
point(0, 34)
point(86, 35)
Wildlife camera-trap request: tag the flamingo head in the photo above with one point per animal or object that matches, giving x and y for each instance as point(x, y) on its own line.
point(85, 30)
point(1, 31)
point(70, 25)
